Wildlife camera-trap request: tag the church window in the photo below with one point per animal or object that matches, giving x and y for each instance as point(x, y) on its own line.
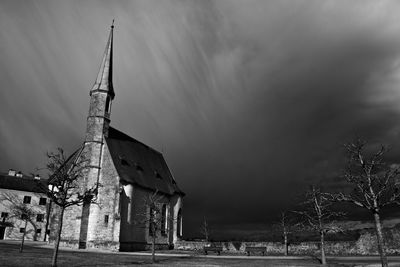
point(179, 223)
point(21, 230)
point(42, 201)
point(38, 231)
point(108, 104)
point(106, 220)
point(27, 199)
point(164, 220)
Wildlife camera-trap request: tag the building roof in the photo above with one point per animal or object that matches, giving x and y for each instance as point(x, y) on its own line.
point(24, 183)
point(139, 164)
point(103, 82)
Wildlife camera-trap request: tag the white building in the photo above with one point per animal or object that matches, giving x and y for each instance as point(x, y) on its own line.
point(17, 189)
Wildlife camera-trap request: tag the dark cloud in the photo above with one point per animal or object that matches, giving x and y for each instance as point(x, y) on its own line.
point(249, 100)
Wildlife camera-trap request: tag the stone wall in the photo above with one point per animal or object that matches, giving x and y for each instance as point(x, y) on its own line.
point(273, 248)
point(135, 230)
point(365, 245)
point(104, 219)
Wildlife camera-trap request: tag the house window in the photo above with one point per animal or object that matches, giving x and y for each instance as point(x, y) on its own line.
point(27, 199)
point(106, 220)
point(39, 217)
point(21, 230)
point(164, 220)
point(42, 201)
point(38, 231)
point(4, 214)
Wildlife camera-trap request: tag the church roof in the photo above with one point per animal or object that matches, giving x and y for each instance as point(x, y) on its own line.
point(139, 164)
point(24, 183)
point(103, 82)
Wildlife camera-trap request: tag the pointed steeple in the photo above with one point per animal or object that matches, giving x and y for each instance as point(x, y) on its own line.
point(104, 78)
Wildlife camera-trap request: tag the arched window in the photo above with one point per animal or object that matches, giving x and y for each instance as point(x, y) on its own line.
point(164, 220)
point(179, 223)
point(108, 104)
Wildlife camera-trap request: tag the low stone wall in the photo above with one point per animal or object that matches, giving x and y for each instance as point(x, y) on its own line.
point(365, 245)
point(113, 246)
point(273, 248)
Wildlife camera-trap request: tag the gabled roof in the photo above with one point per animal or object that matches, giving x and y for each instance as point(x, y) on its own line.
point(25, 183)
point(139, 164)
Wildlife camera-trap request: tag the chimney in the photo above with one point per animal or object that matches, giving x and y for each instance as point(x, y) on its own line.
point(36, 177)
point(11, 172)
point(19, 174)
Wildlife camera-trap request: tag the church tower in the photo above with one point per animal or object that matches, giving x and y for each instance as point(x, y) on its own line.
point(101, 96)
point(98, 120)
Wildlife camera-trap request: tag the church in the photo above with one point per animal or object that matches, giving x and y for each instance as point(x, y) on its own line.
point(128, 172)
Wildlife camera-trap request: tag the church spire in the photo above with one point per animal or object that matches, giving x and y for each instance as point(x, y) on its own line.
point(101, 96)
point(104, 78)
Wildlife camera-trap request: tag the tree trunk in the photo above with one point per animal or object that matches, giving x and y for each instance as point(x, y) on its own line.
point(286, 244)
point(47, 220)
point(21, 248)
point(153, 248)
point(34, 233)
point(381, 244)
point(57, 243)
point(323, 258)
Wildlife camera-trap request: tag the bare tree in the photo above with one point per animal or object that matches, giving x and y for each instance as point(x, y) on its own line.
point(67, 187)
point(287, 226)
point(154, 217)
point(204, 229)
point(374, 185)
point(318, 216)
point(20, 211)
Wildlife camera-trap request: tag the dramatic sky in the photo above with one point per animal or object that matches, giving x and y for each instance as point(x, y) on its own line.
point(249, 101)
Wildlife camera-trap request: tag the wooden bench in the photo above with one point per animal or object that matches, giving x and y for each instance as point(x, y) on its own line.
point(213, 249)
point(255, 249)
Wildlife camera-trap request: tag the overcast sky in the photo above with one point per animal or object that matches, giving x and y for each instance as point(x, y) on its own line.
point(249, 101)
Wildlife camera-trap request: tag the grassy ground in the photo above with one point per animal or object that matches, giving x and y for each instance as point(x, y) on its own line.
point(35, 255)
